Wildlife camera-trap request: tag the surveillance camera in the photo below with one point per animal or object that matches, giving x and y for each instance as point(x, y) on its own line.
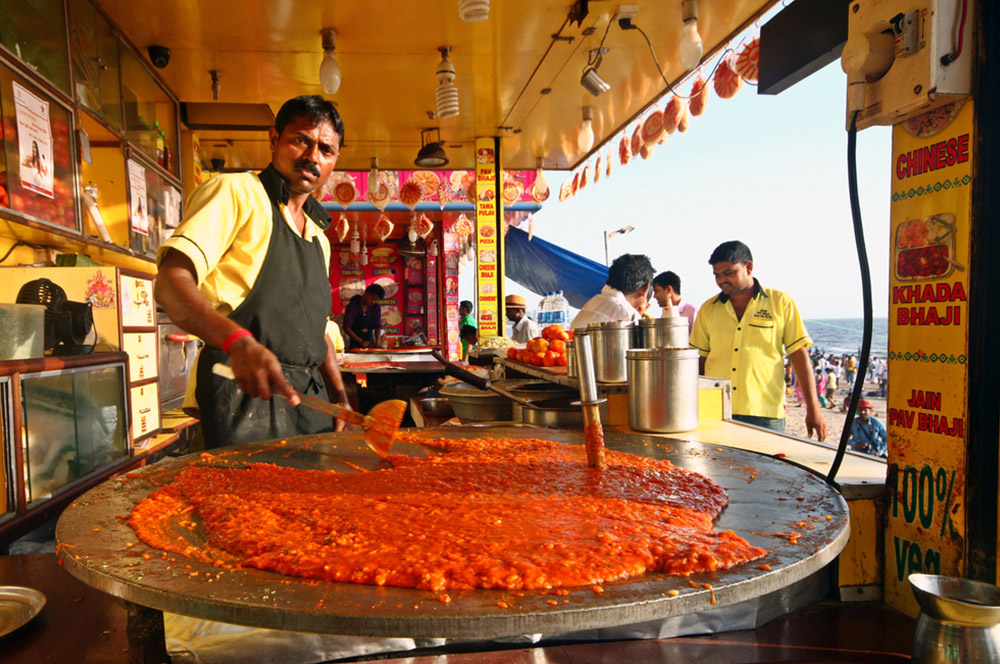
point(159, 56)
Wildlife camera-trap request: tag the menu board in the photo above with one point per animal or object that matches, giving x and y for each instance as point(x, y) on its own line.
point(349, 277)
point(488, 272)
point(433, 331)
point(450, 294)
point(928, 334)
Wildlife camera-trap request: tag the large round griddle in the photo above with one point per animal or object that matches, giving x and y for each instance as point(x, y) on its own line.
point(766, 495)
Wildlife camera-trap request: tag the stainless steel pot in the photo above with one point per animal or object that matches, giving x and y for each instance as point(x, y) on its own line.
point(663, 389)
point(610, 341)
point(571, 359)
point(959, 620)
point(669, 332)
point(554, 413)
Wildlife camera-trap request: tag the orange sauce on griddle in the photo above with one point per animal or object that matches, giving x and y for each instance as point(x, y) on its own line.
point(480, 513)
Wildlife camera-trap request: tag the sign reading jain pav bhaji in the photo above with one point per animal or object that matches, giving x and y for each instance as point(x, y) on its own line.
point(928, 348)
point(488, 274)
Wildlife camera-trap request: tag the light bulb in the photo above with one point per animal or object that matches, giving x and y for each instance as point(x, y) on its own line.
point(329, 73)
point(412, 235)
point(585, 139)
point(373, 180)
point(690, 48)
point(541, 184)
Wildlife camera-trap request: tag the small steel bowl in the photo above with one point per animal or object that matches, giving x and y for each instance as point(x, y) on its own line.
point(436, 406)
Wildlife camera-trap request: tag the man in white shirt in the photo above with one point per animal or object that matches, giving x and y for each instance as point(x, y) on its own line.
point(524, 329)
point(667, 291)
point(624, 295)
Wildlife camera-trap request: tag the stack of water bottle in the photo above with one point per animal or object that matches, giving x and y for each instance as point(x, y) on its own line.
point(553, 309)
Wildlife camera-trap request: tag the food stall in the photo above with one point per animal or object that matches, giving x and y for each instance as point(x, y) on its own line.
point(131, 109)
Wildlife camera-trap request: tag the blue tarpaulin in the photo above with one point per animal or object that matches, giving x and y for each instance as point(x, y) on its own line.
point(544, 267)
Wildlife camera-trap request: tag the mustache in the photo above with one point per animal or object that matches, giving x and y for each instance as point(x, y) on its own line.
point(309, 166)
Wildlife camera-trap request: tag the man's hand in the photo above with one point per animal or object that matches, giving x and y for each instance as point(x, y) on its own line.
point(258, 371)
point(815, 422)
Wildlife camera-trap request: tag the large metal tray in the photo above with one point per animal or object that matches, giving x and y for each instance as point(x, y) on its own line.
point(766, 495)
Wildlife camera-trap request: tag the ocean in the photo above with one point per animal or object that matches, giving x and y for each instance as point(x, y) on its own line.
point(843, 335)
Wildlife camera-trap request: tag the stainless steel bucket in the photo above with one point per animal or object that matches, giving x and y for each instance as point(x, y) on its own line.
point(669, 332)
point(610, 341)
point(959, 620)
point(571, 359)
point(663, 389)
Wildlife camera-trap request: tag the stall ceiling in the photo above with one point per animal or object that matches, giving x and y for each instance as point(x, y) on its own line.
point(270, 50)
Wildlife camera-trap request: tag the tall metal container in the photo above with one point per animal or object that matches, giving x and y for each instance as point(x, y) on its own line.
point(571, 358)
point(663, 389)
point(670, 332)
point(610, 341)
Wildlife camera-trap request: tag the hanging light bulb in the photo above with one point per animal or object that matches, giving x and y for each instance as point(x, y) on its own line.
point(411, 234)
point(355, 242)
point(585, 139)
point(690, 47)
point(446, 93)
point(329, 70)
point(364, 251)
point(373, 179)
point(541, 184)
point(473, 10)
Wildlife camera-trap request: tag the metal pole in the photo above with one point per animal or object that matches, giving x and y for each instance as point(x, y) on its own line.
point(607, 259)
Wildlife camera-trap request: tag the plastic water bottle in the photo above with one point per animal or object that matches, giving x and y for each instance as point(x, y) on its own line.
point(560, 310)
point(542, 312)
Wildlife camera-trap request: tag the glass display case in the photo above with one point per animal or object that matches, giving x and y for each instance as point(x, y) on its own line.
point(150, 113)
point(35, 32)
point(7, 476)
point(36, 172)
point(75, 422)
point(95, 62)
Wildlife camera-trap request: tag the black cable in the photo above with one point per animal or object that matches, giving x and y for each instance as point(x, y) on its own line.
point(538, 66)
point(866, 295)
point(11, 250)
point(659, 69)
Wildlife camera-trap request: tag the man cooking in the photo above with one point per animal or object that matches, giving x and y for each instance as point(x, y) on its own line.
point(667, 291)
point(625, 294)
point(247, 272)
point(524, 329)
point(744, 333)
point(363, 319)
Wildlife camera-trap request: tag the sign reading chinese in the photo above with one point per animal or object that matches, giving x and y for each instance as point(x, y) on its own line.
point(928, 348)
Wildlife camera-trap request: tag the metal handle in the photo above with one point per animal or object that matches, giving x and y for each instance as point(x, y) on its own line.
point(458, 372)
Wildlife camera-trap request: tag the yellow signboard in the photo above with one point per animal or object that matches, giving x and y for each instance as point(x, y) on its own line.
point(489, 240)
point(928, 348)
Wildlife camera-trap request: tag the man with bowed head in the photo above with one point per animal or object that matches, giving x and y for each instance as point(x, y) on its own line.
point(743, 335)
point(624, 296)
point(248, 272)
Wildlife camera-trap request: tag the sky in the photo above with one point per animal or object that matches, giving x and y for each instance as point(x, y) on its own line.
point(768, 170)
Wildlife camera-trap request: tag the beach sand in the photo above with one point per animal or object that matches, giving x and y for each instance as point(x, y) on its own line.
point(795, 416)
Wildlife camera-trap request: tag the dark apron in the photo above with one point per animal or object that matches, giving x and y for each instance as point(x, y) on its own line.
point(286, 310)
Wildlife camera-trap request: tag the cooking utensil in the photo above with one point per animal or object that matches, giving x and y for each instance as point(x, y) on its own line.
point(669, 332)
point(609, 341)
point(554, 414)
point(458, 372)
point(663, 389)
point(959, 620)
point(380, 424)
point(474, 405)
point(571, 358)
point(593, 432)
point(18, 605)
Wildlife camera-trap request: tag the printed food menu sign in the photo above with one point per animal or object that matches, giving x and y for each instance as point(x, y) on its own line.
point(928, 348)
point(34, 141)
point(488, 273)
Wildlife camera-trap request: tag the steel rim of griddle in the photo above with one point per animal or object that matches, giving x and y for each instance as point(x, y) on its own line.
point(766, 496)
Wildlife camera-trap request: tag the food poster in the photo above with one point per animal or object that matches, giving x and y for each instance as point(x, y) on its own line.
point(433, 329)
point(34, 140)
point(415, 300)
point(385, 268)
point(928, 348)
point(346, 188)
point(138, 212)
point(489, 272)
point(450, 291)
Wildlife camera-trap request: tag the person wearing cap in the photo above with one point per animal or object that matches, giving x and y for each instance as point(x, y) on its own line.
point(743, 335)
point(624, 296)
point(868, 434)
point(524, 329)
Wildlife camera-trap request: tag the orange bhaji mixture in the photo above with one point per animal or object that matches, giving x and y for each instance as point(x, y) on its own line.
point(481, 513)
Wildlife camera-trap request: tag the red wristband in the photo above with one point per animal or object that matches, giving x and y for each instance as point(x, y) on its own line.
point(233, 338)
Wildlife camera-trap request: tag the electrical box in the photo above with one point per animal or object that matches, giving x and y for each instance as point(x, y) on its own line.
point(906, 57)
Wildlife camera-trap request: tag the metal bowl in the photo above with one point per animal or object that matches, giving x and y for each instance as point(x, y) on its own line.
point(554, 413)
point(540, 390)
point(474, 405)
point(436, 406)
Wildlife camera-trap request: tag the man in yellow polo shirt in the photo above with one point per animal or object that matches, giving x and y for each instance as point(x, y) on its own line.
point(743, 335)
point(248, 271)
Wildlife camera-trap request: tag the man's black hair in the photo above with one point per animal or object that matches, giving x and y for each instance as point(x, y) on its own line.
point(733, 251)
point(630, 272)
point(313, 107)
point(668, 278)
point(376, 290)
point(467, 304)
